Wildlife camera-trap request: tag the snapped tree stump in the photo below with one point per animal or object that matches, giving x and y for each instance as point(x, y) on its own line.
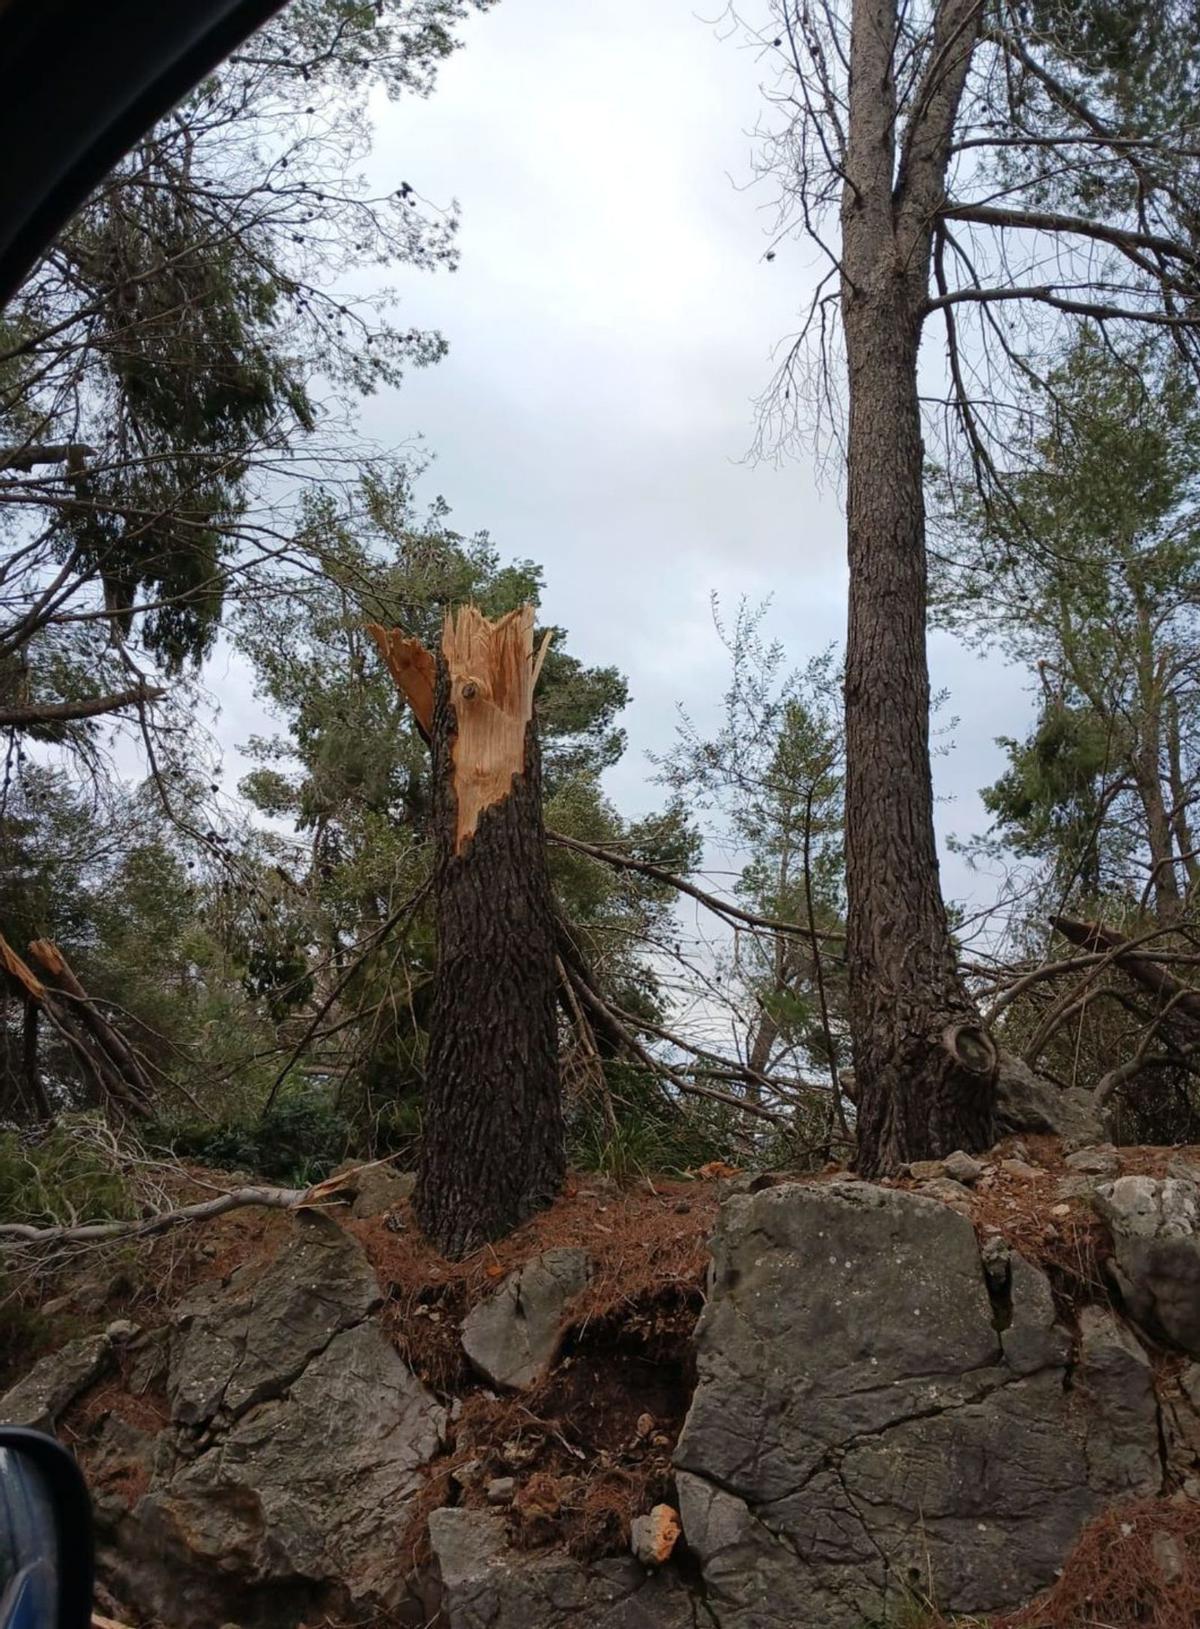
point(493, 1147)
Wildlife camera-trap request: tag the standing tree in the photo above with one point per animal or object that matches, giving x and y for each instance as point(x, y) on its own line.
point(1105, 608)
point(1020, 162)
point(493, 1148)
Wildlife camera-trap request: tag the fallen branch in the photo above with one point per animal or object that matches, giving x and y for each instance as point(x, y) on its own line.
point(23, 1233)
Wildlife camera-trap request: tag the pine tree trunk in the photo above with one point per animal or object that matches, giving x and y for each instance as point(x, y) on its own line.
point(924, 1067)
point(492, 1150)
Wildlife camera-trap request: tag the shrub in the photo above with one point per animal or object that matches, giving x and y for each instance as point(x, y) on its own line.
point(297, 1141)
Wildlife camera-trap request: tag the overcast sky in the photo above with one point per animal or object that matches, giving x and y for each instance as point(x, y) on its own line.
point(610, 326)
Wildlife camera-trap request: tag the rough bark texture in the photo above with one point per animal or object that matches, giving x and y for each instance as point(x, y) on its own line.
point(924, 1068)
point(493, 1146)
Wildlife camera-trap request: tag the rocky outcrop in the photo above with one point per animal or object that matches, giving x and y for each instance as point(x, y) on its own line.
point(282, 1488)
point(1155, 1226)
point(870, 1419)
point(883, 1406)
point(375, 1189)
point(485, 1585)
point(237, 1344)
point(512, 1338)
point(51, 1386)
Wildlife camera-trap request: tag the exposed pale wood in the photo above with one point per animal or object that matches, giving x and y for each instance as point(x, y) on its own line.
point(412, 667)
point(112, 1055)
point(491, 670)
point(16, 969)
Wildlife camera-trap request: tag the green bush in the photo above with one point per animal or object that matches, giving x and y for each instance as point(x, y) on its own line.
point(298, 1141)
point(65, 1174)
point(650, 1134)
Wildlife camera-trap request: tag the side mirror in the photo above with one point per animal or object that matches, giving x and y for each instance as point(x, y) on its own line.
point(45, 1535)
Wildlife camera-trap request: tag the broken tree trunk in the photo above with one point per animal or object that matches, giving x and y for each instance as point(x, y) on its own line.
point(104, 1057)
point(492, 1151)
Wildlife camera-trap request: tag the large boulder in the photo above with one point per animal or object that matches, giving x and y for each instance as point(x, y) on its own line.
point(281, 1492)
point(1155, 1227)
point(1025, 1102)
point(484, 1585)
point(237, 1344)
point(513, 1337)
point(872, 1418)
point(52, 1385)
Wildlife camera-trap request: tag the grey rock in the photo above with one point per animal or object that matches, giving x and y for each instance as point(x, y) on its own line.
point(1075, 1186)
point(926, 1170)
point(500, 1490)
point(40, 1398)
point(995, 1254)
point(120, 1464)
point(1114, 1373)
point(234, 1346)
point(1022, 1169)
point(304, 1492)
point(1155, 1226)
point(961, 1167)
point(1027, 1103)
point(149, 1361)
point(865, 1408)
point(487, 1586)
point(376, 1188)
point(1189, 1382)
point(512, 1337)
point(1168, 1556)
point(947, 1190)
point(1100, 1161)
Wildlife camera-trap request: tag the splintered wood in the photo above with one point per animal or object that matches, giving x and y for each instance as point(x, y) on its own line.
point(492, 672)
point(412, 667)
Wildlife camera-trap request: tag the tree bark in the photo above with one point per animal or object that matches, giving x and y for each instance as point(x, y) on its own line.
point(493, 1146)
point(1179, 797)
point(34, 1088)
point(923, 1064)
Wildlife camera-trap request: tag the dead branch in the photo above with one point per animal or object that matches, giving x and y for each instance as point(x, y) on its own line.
point(1151, 975)
point(17, 1234)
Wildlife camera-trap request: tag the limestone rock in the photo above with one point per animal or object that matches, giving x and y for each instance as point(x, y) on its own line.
point(303, 1492)
point(52, 1385)
point(1115, 1374)
point(961, 1167)
point(487, 1586)
point(1026, 1102)
point(237, 1345)
point(512, 1338)
point(376, 1188)
point(1102, 1160)
point(1155, 1226)
point(867, 1412)
point(947, 1190)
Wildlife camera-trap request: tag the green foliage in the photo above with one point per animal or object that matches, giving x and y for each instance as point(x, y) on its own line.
point(297, 1141)
point(651, 1134)
point(1088, 572)
point(62, 1175)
